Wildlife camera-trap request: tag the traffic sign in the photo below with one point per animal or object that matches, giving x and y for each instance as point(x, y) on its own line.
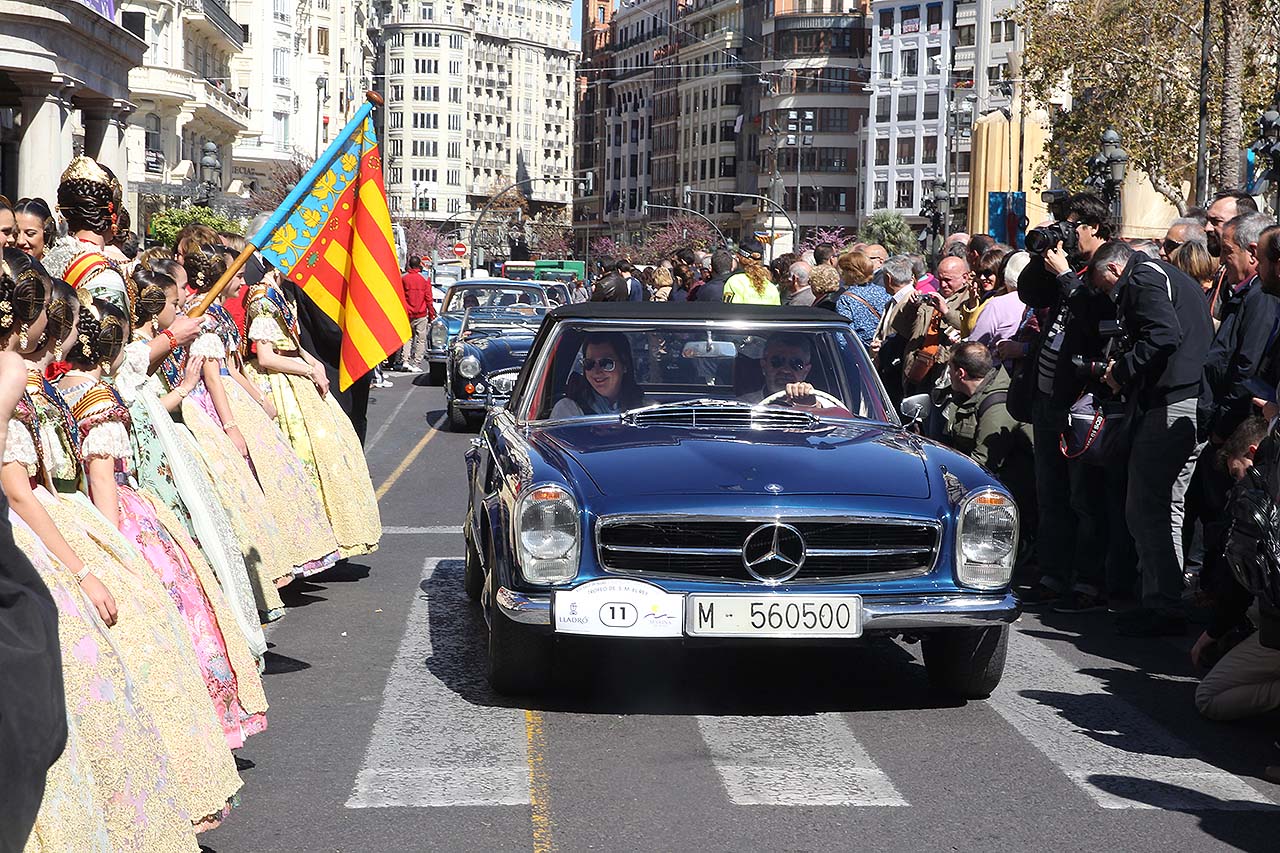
point(460, 250)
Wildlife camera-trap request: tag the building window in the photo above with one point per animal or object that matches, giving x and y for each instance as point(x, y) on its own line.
point(136, 23)
point(455, 41)
point(830, 119)
point(153, 133)
point(453, 177)
point(906, 107)
point(882, 152)
point(886, 22)
point(964, 35)
point(280, 123)
point(931, 105)
point(934, 20)
point(886, 64)
point(881, 200)
point(455, 121)
point(882, 109)
point(910, 63)
point(322, 40)
point(962, 161)
point(906, 195)
point(455, 150)
point(929, 150)
point(907, 151)
point(911, 20)
point(280, 66)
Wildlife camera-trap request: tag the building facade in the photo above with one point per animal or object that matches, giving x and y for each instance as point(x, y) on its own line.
point(936, 68)
point(479, 96)
point(591, 112)
point(64, 89)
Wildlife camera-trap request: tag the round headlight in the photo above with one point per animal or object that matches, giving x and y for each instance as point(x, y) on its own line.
point(986, 540)
point(439, 335)
point(469, 366)
point(547, 534)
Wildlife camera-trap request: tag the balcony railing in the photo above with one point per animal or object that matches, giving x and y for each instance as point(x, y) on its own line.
point(218, 15)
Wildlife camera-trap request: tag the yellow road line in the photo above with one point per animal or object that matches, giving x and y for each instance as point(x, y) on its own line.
point(404, 465)
point(539, 790)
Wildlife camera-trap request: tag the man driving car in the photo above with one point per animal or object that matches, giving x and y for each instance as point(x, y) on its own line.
point(785, 364)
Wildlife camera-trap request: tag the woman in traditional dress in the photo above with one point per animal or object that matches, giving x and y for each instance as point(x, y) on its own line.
point(149, 634)
point(230, 397)
point(106, 449)
point(112, 788)
point(167, 463)
point(317, 428)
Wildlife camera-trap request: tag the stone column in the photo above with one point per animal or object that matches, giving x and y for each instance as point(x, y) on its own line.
point(45, 147)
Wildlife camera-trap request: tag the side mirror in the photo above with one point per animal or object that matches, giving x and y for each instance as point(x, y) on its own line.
point(915, 408)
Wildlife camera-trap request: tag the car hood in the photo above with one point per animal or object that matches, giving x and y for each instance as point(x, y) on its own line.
point(505, 351)
point(845, 459)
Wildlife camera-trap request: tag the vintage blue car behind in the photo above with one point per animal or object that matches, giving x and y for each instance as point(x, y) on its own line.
point(486, 358)
point(726, 473)
point(473, 293)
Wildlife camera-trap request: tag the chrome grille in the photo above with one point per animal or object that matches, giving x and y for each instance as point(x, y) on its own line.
point(711, 548)
point(719, 414)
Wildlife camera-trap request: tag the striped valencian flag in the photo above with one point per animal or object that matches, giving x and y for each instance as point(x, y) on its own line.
point(332, 237)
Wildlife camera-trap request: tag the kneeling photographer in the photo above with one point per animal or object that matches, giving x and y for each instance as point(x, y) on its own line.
point(1168, 332)
point(1072, 540)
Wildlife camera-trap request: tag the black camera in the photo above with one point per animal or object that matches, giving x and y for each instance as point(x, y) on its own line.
point(1041, 240)
point(1111, 331)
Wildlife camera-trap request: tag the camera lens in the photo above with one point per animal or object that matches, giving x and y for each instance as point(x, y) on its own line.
point(1037, 241)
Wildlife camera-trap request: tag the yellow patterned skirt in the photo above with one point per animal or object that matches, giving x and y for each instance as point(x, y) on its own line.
point(155, 649)
point(322, 435)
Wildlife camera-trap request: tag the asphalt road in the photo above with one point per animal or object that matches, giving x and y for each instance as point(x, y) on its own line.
point(384, 736)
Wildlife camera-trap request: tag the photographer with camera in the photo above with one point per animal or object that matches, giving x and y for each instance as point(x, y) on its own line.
point(1168, 331)
point(1072, 540)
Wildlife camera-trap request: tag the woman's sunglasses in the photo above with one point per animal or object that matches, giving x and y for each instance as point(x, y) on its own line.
point(608, 365)
point(796, 363)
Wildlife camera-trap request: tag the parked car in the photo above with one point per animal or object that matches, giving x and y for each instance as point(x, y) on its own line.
point(712, 473)
point(486, 358)
point(472, 293)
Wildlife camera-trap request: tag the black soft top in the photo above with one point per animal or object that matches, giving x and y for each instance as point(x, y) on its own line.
point(691, 311)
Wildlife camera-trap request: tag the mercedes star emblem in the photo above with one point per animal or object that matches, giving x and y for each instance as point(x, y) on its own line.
point(773, 553)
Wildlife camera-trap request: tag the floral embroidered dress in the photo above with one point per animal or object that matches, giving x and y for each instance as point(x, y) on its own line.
point(254, 523)
point(320, 432)
point(229, 670)
point(165, 459)
point(149, 635)
point(291, 494)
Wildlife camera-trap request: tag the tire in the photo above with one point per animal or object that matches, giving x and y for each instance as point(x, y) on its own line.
point(966, 663)
point(458, 421)
point(473, 571)
point(519, 657)
point(435, 373)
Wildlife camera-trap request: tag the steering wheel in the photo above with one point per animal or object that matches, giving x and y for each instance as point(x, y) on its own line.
point(833, 404)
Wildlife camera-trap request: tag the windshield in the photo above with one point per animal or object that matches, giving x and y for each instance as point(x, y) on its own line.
point(461, 297)
point(590, 368)
point(521, 320)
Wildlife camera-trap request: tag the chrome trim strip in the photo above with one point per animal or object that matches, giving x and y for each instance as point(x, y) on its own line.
point(527, 609)
point(812, 552)
point(693, 552)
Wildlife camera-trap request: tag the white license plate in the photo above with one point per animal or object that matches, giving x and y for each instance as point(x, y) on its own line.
point(773, 615)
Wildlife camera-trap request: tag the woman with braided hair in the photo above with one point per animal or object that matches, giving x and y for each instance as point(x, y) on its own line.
point(169, 464)
point(105, 426)
point(149, 633)
point(229, 397)
point(117, 765)
point(751, 284)
point(90, 198)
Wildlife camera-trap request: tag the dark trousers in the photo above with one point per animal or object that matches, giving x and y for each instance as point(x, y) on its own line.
point(1072, 539)
point(354, 401)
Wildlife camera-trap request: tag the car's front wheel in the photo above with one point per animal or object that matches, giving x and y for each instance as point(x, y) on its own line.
point(519, 656)
point(435, 373)
point(473, 571)
point(458, 421)
point(966, 662)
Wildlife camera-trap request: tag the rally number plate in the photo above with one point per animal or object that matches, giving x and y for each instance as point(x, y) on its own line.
point(773, 615)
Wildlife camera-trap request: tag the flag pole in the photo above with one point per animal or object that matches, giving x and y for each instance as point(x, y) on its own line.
point(281, 213)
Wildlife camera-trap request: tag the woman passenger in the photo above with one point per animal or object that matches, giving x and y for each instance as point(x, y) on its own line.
point(610, 385)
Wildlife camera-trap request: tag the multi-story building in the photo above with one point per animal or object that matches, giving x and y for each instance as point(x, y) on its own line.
point(64, 89)
point(479, 95)
point(935, 70)
point(186, 98)
point(591, 111)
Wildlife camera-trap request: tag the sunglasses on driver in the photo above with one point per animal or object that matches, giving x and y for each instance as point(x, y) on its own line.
point(608, 365)
point(778, 361)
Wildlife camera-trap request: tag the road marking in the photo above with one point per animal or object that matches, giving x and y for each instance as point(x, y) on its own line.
point(432, 431)
point(1108, 748)
point(382, 430)
point(413, 531)
point(438, 744)
point(795, 761)
point(539, 789)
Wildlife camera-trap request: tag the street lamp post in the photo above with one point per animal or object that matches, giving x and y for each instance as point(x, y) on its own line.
point(1268, 145)
point(210, 165)
point(800, 133)
point(934, 210)
point(1107, 170)
point(322, 86)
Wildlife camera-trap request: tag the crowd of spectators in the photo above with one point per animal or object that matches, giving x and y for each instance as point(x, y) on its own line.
point(1120, 389)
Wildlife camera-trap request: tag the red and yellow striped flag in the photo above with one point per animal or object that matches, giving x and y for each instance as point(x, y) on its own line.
point(332, 237)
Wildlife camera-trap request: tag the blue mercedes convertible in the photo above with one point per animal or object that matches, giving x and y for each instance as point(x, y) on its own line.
point(726, 473)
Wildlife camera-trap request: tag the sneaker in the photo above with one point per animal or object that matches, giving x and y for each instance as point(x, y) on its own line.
point(1039, 594)
point(411, 368)
point(385, 383)
point(1079, 602)
point(1150, 623)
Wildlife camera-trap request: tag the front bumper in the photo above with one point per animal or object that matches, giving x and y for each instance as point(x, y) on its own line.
point(881, 613)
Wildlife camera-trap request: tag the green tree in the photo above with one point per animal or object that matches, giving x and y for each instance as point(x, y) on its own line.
point(890, 230)
point(166, 224)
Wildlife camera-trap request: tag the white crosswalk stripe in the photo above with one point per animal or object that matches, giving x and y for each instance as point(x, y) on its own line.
point(430, 746)
point(1109, 749)
point(795, 761)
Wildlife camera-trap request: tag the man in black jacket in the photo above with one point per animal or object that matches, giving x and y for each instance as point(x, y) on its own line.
point(1072, 535)
point(722, 264)
point(1168, 331)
